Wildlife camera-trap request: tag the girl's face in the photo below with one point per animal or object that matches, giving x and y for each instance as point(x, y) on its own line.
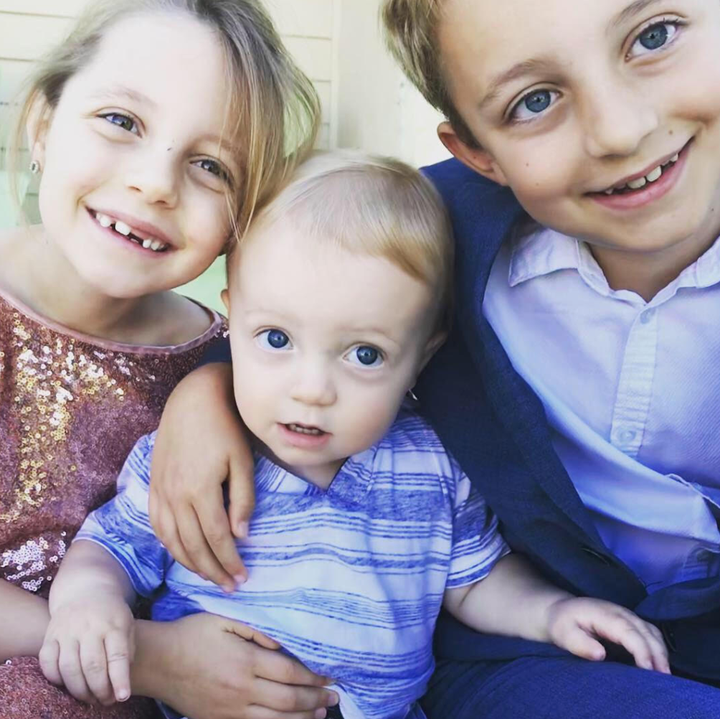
point(135, 171)
point(571, 100)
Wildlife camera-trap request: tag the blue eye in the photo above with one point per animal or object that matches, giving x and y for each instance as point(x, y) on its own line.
point(122, 121)
point(274, 340)
point(366, 356)
point(654, 38)
point(534, 104)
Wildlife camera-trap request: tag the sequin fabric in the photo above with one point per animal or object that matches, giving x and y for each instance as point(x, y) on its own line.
point(71, 409)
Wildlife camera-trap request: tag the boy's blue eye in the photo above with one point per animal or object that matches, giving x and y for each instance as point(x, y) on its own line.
point(122, 121)
point(654, 37)
point(274, 339)
point(366, 356)
point(537, 102)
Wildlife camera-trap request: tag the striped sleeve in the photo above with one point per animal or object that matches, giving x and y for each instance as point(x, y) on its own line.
point(122, 526)
point(477, 543)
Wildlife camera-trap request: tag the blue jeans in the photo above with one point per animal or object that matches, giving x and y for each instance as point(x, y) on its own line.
point(563, 687)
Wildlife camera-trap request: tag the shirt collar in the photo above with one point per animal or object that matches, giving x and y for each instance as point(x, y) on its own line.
point(546, 251)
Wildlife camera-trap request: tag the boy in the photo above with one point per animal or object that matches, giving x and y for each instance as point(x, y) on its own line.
point(363, 525)
point(582, 368)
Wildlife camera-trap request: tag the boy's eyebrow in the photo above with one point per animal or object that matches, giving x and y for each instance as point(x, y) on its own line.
point(525, 67)
point(631, 11)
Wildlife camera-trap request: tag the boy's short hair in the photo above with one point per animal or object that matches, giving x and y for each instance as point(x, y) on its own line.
point(371, 205)
point(411, 33)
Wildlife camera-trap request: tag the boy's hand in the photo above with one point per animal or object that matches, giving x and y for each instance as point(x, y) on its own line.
point(200, 444)
point(88, 648)
point(576, 624)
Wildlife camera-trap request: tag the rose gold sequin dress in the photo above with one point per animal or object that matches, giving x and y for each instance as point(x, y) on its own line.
point(71, 409)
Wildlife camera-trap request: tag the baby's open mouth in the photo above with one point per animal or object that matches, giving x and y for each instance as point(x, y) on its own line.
point(304, 429)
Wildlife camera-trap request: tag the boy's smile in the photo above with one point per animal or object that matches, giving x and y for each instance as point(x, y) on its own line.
point(602, 116)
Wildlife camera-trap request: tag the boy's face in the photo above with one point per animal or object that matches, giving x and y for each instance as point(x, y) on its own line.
point(325, 345)
point(569, 99)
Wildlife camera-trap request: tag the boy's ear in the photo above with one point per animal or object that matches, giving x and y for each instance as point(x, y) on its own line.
point(225, 297)
point(474, 157)
point(37, 126)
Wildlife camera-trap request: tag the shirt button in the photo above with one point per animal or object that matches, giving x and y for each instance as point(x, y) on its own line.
point(647, 316)
point(626, 435)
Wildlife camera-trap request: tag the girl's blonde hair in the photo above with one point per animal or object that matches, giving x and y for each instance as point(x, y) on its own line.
point(411, 33)
point(370, 205)
point(273, 109)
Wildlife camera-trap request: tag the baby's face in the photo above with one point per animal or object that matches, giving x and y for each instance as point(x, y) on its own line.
point(602, 115)
point(325, 345)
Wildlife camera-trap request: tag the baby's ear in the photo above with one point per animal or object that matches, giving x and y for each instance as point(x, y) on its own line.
point(37, 126)
point(474, 157)
point(432, 346)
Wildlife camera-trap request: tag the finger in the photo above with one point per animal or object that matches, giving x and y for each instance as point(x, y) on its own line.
point(284, 698)
point(241, 493)
point(215, 525)
point(48, 659)
point(280, 668)
point(95, 670)
point(72, 674)
point(259, 712)
point(577, 641)
point(118, 652)
point(656, 645)
point(251, 635)
point(201, 556)
point(621, 630)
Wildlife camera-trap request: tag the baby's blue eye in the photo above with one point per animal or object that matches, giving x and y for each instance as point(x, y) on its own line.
point(274, 339)
point(366, 356)
point(122, 121)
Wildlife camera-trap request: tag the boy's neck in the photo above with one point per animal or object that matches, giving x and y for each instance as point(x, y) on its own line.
point(647, 273)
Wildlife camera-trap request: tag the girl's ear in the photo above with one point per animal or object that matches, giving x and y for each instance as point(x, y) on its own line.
point(225, 297)
point(474, 157)
point(38, 123)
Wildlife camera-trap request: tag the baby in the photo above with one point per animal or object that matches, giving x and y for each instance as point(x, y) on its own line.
point(364, 526)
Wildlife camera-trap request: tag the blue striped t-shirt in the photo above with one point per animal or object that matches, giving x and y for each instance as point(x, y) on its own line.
point(349, 580)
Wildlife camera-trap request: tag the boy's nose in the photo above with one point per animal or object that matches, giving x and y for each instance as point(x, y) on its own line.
point(616, 121)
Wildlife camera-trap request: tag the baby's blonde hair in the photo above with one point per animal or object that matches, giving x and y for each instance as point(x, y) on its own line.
point(273, 108)
point(375, 206)
point(411, 33)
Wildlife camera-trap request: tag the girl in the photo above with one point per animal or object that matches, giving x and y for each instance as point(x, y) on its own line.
point(156, 128)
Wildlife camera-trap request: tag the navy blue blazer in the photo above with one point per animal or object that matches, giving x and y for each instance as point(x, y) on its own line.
point(495, 425)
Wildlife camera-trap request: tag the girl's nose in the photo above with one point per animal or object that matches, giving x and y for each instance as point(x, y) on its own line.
point(155, 177)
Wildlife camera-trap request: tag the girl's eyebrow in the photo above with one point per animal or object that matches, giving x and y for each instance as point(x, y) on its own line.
point(631, 11)
point(115, 91)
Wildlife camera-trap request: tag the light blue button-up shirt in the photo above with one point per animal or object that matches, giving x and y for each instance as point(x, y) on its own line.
point(632, 392)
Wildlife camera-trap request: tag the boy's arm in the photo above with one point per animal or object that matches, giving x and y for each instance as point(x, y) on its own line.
point(201, 443)
point(89, 643)
point(513, 600)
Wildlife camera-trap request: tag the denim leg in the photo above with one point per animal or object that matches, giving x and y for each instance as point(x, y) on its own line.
point(563, 688)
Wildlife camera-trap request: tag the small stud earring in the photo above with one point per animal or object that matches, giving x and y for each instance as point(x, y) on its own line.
point(412, 396)
point(35, 167)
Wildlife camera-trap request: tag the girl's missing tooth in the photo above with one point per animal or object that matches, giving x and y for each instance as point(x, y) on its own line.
point(156, 129)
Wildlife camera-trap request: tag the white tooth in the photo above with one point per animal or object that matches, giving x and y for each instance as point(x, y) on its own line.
point(675, 158)
point(637, 184)
point(609, 192)
point(122, 228)
point(104, 220)
point(654, 175)
point(156, 245)
point(147, 244)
